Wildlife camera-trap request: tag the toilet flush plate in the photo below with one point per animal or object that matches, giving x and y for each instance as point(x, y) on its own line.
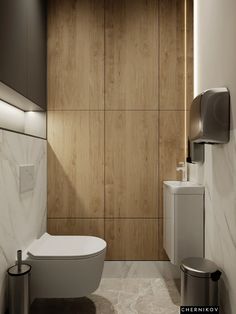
point(26, 178)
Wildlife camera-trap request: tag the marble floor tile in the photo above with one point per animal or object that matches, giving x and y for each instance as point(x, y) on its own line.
point(118, 296)
point(140, 269)
point(126, 288)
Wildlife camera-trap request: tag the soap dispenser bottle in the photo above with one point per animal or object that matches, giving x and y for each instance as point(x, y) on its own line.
point(182, 166)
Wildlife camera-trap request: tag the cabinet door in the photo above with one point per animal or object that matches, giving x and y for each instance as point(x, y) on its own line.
point(36, 51)
point(13, 42)
point(189, 227)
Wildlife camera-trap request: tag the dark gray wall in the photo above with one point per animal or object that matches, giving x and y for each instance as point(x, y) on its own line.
point(23, 48)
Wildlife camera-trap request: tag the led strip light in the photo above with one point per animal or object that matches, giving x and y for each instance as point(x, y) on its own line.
point(185, 79)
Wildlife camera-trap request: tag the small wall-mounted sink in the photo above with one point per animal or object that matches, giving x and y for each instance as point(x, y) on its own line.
point(184, 187)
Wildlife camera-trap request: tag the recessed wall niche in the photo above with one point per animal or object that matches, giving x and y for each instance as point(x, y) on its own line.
point(26, 122)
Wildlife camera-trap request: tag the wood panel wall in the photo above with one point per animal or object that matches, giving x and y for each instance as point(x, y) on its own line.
point(115, 119)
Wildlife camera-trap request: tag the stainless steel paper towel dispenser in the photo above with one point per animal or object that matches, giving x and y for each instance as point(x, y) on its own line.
point(210, 117)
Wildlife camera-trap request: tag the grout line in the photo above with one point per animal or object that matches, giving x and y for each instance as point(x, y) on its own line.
point(111, 110)
point(106, 218)
point(104, 106)
point(159, 99)
point(137, 260)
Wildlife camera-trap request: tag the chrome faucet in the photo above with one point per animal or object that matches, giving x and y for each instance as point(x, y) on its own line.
point(182, 166)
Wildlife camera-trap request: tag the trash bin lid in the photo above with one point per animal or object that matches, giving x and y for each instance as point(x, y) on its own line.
point(199, 267)
point(14, 271)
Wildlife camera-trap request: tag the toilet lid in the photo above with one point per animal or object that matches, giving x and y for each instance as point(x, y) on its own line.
point(66, 247)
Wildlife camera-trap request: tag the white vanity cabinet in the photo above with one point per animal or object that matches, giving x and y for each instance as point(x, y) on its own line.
point(183, 220)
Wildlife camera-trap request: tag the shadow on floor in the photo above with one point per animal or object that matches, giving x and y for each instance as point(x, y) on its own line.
point(174, 289)
point(71, 306)
point(178, 284)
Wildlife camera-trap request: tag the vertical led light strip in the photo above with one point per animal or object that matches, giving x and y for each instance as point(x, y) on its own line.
point(195, 52)
point(185, 79)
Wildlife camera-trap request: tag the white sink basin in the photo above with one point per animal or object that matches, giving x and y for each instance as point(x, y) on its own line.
point(181, 187)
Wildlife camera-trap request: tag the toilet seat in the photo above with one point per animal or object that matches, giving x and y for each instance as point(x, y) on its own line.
point(66, 247)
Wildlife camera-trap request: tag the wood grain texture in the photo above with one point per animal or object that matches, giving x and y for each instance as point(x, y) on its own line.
point(171, 54)
point(190, 71)
point(92, 227)
point(131, 67)
point(75, 54)
point(75, 164)
point(171, 148)
point(131, 58)
point(133, 239)
point(162, 256)
point(131, 157)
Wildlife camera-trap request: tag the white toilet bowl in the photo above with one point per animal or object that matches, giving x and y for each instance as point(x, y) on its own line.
point(65, 266)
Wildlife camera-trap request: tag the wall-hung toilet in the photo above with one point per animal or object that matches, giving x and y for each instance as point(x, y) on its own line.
point(65, 266)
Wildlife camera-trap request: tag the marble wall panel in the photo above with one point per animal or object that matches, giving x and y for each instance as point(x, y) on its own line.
point(22, 215)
